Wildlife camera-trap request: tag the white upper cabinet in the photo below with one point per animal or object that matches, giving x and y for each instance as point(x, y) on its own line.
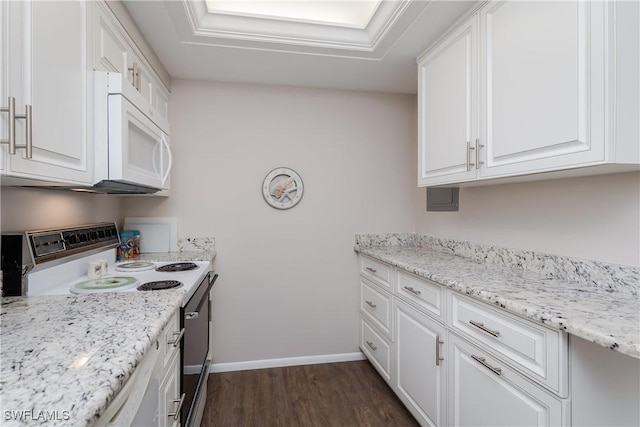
point(448, 86)
point(555, 93)
point(47, 67)
point(115, 51)
point(542, 85)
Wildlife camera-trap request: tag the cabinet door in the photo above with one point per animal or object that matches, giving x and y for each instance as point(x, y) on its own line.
point(51, 73)
point(485, 392)
point(161, 101)
point(170, 394)
point(542, 85)
point(5, 67)
point(420, 365)
point(447, 108)
point(143, 80)
point(111, 51)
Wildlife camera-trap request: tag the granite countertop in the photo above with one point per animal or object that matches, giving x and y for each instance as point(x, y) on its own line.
point(66, 357)
point(182, 256)
point(608, 317)
point(69, 355)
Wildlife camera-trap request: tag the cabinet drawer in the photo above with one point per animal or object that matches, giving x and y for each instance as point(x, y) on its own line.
point(376, 305)
point(377, 271)
point(483, 391)
point(539, 352)
point(423, 293)
point(377, 349)
point(171, 338)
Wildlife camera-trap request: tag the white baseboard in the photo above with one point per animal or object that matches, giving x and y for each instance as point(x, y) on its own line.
point(287, 361)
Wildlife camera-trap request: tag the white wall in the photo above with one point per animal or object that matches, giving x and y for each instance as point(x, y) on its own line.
point(31, 209)
point(288, 279)
point(596, 218)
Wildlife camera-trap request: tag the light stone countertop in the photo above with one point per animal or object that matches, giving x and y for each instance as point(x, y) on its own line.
point(68, 356)
point(182, 256)
point(608, 317)
point(74, 353)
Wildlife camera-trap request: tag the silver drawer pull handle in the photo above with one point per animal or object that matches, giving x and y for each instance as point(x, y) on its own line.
point(371, 269)
point(480, 325)
point(370, 344)
point(438, 357)
point(176, 414)
point(483, 362)
point(176, 341)
point(413, 291)
point(372, 305)
point(191, 315)
point(11, 140)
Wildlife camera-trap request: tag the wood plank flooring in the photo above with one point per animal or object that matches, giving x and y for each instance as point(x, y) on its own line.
point(346, 394)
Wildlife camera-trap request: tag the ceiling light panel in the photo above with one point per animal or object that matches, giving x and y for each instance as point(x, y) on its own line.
point(353, 14)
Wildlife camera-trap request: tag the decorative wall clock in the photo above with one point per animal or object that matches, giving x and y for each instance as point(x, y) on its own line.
point(282, 188)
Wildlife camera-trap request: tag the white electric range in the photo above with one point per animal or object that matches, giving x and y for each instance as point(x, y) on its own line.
point(65, 256)
point(61, 259)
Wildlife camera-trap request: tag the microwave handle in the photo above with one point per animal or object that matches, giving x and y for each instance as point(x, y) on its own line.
point(166, 144)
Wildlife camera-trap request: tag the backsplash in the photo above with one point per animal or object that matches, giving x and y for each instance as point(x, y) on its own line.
point(186, 244)
point(591, 273)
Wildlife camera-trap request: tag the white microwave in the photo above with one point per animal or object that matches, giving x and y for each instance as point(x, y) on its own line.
point(132, 151)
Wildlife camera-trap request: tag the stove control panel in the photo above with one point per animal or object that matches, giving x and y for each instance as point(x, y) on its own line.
point(48, 245)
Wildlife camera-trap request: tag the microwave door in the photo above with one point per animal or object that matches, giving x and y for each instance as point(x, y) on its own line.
point(135, 145)
point(165, 162)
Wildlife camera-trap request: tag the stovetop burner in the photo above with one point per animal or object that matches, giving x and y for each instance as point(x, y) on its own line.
point(178, 266)
point(159, 285)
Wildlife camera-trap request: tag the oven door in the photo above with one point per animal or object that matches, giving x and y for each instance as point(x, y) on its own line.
point(139, 150)
point(195, 349)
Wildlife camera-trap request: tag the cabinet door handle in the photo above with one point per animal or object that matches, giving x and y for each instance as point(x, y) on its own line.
point(469, 164)
point(370, 344)
point(175, 342)
point(439, 358)
point(481, 326)
point(478, 147)
point(176, 414)
point(483, 362)
point(11, 137)
point(370, 304)
point(135, 74)
point(410, 289)
point(371, 269)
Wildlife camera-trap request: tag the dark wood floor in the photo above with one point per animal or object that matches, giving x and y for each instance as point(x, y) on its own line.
point(334, 394)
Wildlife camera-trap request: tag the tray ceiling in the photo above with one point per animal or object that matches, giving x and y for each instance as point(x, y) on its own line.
point(345, 46)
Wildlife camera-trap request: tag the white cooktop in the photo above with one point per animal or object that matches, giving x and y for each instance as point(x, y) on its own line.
point(59, 279)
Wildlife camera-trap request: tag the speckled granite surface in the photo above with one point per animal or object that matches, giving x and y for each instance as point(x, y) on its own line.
point(195, 255)
point(604, 315)
point(206, 244)
point(80, 353)
point(612, 277)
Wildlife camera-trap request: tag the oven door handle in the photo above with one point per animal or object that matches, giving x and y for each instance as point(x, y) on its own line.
point(191, 315)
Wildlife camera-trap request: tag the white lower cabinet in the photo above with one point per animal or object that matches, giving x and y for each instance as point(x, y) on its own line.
point(170, 394)
point(420, 364)
point(455, 361)
point(485, 392)
point(170, 398)
point(378, 349)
